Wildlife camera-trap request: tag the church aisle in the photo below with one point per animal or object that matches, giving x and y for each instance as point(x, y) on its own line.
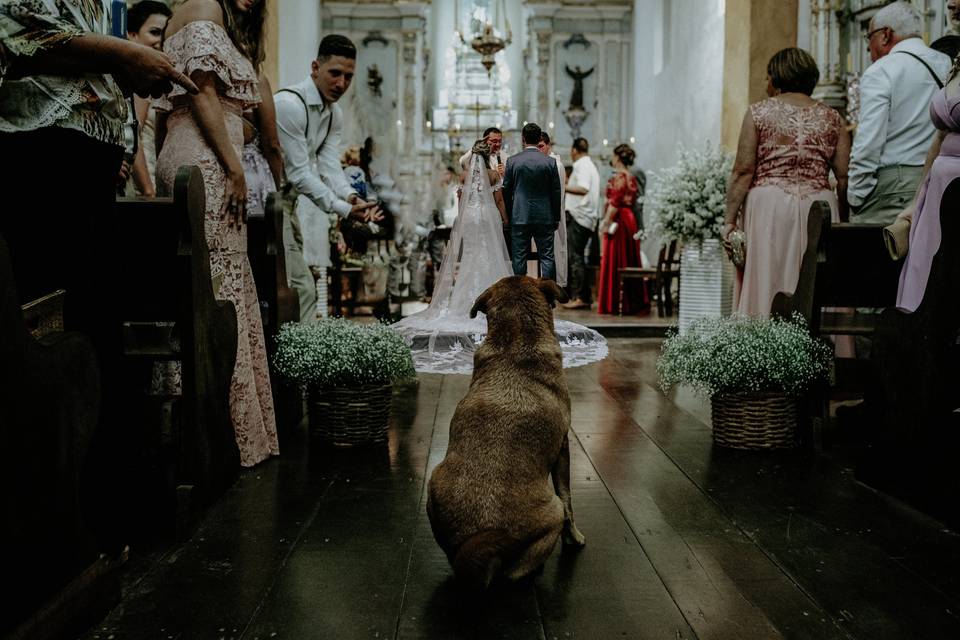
point(683, 540)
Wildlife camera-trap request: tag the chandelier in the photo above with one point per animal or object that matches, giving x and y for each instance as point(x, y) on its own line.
point(488, 43)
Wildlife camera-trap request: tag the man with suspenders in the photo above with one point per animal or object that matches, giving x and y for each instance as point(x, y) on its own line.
point(895, 130)
point(309, 125)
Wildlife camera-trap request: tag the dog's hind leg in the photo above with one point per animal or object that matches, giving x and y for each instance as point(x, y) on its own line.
point(539, 547)
point(561, 484)
point(480, 558)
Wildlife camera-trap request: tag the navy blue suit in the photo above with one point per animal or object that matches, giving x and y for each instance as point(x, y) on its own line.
point(531, 193)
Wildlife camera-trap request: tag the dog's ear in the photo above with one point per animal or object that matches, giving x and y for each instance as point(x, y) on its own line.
point(552, 291)
point(480, 304)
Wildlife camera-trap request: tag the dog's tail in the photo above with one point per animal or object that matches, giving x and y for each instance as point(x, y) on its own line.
point(481, 557)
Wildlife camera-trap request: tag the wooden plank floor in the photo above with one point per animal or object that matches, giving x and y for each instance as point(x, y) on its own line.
point(684, 540)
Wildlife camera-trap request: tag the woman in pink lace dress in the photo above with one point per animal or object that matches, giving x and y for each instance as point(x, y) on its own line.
point(788, 145)
point(214, 43)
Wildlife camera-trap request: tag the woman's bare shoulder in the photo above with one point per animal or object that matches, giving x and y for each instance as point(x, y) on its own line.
point(195, 11)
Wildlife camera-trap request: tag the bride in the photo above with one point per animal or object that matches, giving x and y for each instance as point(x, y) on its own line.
point(443, 337)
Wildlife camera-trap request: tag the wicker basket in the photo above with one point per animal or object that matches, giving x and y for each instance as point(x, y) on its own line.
point(346, 416)
point(754, 420)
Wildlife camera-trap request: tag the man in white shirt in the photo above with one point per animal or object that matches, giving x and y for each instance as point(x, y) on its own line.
point(310, 125)
point(582, 207)
point(498, 158)
point(895, 131)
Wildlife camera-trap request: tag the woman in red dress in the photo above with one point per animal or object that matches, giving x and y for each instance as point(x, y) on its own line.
point(619, 248)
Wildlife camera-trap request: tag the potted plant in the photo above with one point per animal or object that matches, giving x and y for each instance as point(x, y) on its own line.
point(348, 370)
point(753, 369)
point(687, 203)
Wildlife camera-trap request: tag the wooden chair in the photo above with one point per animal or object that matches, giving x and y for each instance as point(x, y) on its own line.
point(667, 268)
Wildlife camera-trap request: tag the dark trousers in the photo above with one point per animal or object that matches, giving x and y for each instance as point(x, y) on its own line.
point(508, 238)
point(542, 234)
point(577, 239)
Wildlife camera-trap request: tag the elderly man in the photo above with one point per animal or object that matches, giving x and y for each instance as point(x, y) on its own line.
point(309, 125)
point(895, 130)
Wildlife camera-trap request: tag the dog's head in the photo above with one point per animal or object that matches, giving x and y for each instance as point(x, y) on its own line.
point(517, 296)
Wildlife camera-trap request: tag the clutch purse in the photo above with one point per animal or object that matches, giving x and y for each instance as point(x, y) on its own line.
point(896, 237)
point(612, 229)
point(738, 248)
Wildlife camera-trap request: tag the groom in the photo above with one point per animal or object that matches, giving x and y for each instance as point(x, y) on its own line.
point(531, 193)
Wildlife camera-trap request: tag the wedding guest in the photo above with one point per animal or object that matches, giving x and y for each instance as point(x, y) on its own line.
point(582, 206)
point(352, 171)
point(146, 21)
point(560, 235)
point(616, 231)
point(262, 157)
point(220, 46)
point(894, 131)
point(788, 145)
point(941, 169)
point(44, 64)
point(310, 126)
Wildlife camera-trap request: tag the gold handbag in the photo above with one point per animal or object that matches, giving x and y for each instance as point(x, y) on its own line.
point(896, 237)
point(738, 248)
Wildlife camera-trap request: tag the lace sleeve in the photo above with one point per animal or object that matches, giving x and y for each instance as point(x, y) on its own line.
point(205, 46)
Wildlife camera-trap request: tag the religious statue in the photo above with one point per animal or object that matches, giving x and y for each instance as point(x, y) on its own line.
point(374, 80)
point(576, 98)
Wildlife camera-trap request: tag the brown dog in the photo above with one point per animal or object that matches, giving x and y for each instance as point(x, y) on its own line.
point(490, 504)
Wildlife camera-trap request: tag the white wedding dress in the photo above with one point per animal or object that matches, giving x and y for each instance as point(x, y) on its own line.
point(443, 337)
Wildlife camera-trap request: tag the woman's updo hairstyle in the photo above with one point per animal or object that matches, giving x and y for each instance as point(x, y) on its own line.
point(626, 154)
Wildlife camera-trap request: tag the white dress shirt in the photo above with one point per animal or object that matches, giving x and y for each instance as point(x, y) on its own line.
point(585, 209)
point(318, 176)
point(895, 127)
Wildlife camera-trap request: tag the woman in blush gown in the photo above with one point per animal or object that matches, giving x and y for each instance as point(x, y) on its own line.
point(214, 44)
point(443, 337)
point(788, 145)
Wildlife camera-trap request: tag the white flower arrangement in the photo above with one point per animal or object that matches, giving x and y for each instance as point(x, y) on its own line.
point(334, 352)
point(687, 201)
point(744, 355)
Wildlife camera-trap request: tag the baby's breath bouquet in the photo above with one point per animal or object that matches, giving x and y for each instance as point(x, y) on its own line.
point(687, 201)
point(335, 352)
point(744, 355)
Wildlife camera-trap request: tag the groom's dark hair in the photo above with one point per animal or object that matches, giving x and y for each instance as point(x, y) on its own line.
point(531, 133)
point(336, 45)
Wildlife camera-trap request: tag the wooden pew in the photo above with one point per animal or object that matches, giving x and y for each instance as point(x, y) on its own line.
point(56, 582)
point(169, 313)
point(846, 266)
point(278, 302)
point(914, 410)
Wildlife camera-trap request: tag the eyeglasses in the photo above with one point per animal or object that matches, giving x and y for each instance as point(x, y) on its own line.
point(869, 34)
